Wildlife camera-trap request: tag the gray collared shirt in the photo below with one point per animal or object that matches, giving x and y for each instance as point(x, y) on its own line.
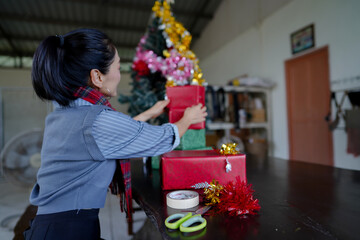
point(118, 136)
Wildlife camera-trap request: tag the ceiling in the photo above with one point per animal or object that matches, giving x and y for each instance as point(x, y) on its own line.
point(25, 23)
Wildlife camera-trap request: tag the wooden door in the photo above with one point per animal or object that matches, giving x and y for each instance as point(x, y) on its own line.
point(308, 96)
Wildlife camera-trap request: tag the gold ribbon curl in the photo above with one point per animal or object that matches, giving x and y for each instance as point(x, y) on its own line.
point(212, 193)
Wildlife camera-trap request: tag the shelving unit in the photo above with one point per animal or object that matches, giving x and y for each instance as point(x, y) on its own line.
point(227, 126)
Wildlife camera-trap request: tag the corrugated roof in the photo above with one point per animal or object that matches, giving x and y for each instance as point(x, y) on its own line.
point(24, 23)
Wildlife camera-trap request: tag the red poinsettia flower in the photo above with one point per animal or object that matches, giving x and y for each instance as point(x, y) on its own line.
point(141, 67)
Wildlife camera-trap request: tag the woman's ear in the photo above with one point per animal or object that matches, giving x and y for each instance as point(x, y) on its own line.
point(95, 78)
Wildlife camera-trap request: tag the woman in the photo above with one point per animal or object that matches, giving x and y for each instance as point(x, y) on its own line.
point(84, 136)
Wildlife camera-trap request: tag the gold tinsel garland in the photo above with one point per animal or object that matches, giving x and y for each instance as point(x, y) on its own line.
point(180, 38)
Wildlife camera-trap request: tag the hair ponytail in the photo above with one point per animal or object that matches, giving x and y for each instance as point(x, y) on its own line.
point(46, 72)
point(61, 64)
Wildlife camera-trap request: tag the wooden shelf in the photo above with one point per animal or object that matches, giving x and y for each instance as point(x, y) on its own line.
point(255, 125)
point(227, 126)
point(219, 125)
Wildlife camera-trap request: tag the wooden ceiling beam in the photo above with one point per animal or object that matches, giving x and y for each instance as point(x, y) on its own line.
point(57, 21)
point(39, 39)
point(198, 15)
point(31, 54)
point(11, 53)
point(75, 24)
point(144, 7)
point(14, 50)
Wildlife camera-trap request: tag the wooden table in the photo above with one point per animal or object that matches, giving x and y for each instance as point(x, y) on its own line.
point(298, 201)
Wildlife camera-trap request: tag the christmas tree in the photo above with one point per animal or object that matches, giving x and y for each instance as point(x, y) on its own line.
point(163, 59)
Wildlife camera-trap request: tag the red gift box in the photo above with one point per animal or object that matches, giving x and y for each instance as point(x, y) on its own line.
point(182, 97)
point(176, 114)
point(183, 169)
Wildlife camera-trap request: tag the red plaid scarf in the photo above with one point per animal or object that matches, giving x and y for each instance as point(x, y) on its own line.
point(121, 183)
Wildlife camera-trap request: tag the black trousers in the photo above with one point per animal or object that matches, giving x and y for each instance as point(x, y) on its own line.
point(69, 225)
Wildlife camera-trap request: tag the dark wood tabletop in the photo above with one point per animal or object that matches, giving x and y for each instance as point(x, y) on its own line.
point(298, 201)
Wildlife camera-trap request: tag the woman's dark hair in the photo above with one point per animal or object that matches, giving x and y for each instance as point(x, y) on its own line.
point(61, 64)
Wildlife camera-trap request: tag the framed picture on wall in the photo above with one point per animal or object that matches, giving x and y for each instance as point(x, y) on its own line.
point(302, 39)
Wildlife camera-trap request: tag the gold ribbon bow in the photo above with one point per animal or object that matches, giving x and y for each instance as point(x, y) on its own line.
point(229, 149)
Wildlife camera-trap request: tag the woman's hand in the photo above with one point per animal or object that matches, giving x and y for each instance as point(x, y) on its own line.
point(158, 108)
point(153, 112)
point(195, 114)
point(192, 115)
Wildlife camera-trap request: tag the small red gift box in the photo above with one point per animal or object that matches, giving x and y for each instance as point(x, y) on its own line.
point(182, 97)
point(176, 114)
point(184, 169)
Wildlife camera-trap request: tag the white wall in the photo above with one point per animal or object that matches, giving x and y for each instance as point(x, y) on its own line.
point(13, 77)
point(262, 50)
point(234, 18)
point(124, 87)
point(22, 110)
point(237, 57)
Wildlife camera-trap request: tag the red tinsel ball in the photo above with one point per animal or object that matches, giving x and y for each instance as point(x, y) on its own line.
point(141, 67)
point(237, 199)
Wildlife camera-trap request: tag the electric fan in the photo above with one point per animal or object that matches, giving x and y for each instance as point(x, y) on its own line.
point(20, 158)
